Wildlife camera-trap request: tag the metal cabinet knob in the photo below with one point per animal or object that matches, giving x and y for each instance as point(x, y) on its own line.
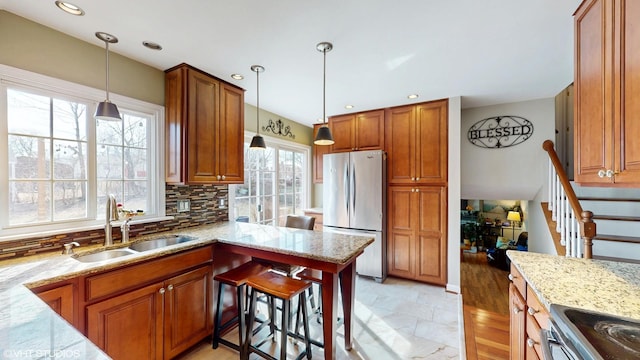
point(601, 173)
point(610, 173)
point(223, 177)
point(417, 179)
point(417, 190)
point(170, 287)
point(161, 291)
point(516, 310)
point(532, 311)
point(413, 179)
point(530, 342)
point(511, 277)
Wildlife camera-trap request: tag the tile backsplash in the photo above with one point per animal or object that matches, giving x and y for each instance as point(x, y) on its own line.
point(205, 209)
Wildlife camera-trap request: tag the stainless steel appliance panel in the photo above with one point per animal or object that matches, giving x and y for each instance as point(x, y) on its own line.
point(335, 197)
point(367, 190)
point(369, 263)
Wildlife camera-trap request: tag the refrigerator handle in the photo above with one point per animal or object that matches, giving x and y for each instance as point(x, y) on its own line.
point(346, 186)
point(353, 189)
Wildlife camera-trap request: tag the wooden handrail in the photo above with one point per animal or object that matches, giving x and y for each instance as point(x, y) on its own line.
point(587, 226)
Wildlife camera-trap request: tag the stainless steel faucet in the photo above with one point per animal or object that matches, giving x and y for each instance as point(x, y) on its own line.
point(111, 215)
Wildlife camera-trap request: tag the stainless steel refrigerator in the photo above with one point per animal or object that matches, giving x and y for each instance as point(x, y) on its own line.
point(354, 195)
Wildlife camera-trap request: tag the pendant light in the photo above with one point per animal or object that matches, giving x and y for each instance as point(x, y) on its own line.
point(258, 141)
point(324, 137)
point(107, 110)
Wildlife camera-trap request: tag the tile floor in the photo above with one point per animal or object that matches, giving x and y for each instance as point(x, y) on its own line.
point(399, 319)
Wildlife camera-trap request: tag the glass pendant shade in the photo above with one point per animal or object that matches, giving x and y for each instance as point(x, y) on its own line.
point(257, 143)
point(107, 111)
point(323, 137)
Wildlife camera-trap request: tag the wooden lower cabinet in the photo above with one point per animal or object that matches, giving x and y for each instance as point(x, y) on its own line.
point(128, 326)
point(416, 237)
point(158, 321)
point(528, 316)
point(62, 299)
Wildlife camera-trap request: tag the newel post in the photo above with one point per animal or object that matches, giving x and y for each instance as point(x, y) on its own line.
point(588, 231)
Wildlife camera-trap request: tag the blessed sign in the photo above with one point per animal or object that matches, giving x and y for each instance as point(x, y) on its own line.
point(500, 131)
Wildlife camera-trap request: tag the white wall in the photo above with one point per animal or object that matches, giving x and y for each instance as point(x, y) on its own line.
point(517, 172)
point(453, 227)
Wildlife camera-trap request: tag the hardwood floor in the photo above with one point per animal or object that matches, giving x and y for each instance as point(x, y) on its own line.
point(485, 307)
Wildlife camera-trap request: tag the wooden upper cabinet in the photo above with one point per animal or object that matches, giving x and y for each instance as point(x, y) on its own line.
point(361, 131)
point(318, 153)
point(416, 141)
point(204, 128)
point(607, 63)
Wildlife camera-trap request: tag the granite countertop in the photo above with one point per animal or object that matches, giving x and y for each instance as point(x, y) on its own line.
point(30, 329)
point(597, 285)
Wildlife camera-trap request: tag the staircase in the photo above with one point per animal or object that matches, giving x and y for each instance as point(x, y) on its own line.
point(592, 222)
point(615, 211)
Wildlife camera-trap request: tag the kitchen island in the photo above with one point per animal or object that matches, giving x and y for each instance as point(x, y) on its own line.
point(28, 325)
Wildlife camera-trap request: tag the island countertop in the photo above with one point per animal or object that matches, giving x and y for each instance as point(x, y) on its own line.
point(30, 329)
point(597, 285)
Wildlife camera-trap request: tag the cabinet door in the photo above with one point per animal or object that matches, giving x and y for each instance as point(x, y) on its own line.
point(400, 145)
point(175, 125)
point(431, 143)
point(230, 147)
point(593, 92)
point(202, 131)
point(400, 235)
point(369, 130)
point(517, 334)
point(61, 299)
point(343, 131)
point(628, 127)
point(128, 326)
point(318, 153)
point(188, 314)
point(431, 227)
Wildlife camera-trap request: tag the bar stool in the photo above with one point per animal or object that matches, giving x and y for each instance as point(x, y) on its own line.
point(286, 289)
point(236, 277)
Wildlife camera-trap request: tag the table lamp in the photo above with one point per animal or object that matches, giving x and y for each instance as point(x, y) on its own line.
point(513, 216)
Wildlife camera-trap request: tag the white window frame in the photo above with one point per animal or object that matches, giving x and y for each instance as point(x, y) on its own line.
point(22, 79)
point(277, 144)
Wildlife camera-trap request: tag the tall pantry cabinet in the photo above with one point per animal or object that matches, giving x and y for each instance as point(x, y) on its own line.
point(416, 144)
point(607, 105)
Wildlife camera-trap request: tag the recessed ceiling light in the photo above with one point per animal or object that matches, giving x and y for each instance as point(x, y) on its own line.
point(413, 96)
point(237, 76)
point(151, 45)
point(348, 106)
point(69, 8)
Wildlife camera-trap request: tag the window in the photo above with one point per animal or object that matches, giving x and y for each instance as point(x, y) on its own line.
point(61, 163)
point(276, 183)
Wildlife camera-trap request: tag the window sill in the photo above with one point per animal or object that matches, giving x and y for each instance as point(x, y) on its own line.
point(90, 226)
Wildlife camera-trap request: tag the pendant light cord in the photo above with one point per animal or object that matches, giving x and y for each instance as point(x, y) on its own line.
point(107, 47)
point(324, 86)
point(258, 101)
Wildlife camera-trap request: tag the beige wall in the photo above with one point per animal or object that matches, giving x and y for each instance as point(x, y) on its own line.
point(30, 46)
point(302, 133)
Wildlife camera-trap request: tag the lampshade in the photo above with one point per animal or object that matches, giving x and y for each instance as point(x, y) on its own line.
point(258, 141)
point(513, 216)
point(107, 110)
point(324, 137)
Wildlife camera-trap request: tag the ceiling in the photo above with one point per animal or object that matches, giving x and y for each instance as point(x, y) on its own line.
point(488, 52)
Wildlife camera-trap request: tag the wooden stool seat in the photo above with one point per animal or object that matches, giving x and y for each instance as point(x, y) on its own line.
point(236, 277)
point(286, 289)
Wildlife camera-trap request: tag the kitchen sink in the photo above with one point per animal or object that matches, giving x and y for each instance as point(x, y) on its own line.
point(104, 255)
point(160, 242)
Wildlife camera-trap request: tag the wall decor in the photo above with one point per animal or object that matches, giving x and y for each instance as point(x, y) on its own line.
point(279, 128)
point(500, 132)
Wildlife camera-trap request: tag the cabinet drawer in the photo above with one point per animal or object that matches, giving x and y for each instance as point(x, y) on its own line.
point(533, 337)
point(536, 310)
point(518, 280)
point(120, 280)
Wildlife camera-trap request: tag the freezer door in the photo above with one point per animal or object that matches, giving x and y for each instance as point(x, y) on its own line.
point(367, 190)
point(373, 261)
point(335, 195)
